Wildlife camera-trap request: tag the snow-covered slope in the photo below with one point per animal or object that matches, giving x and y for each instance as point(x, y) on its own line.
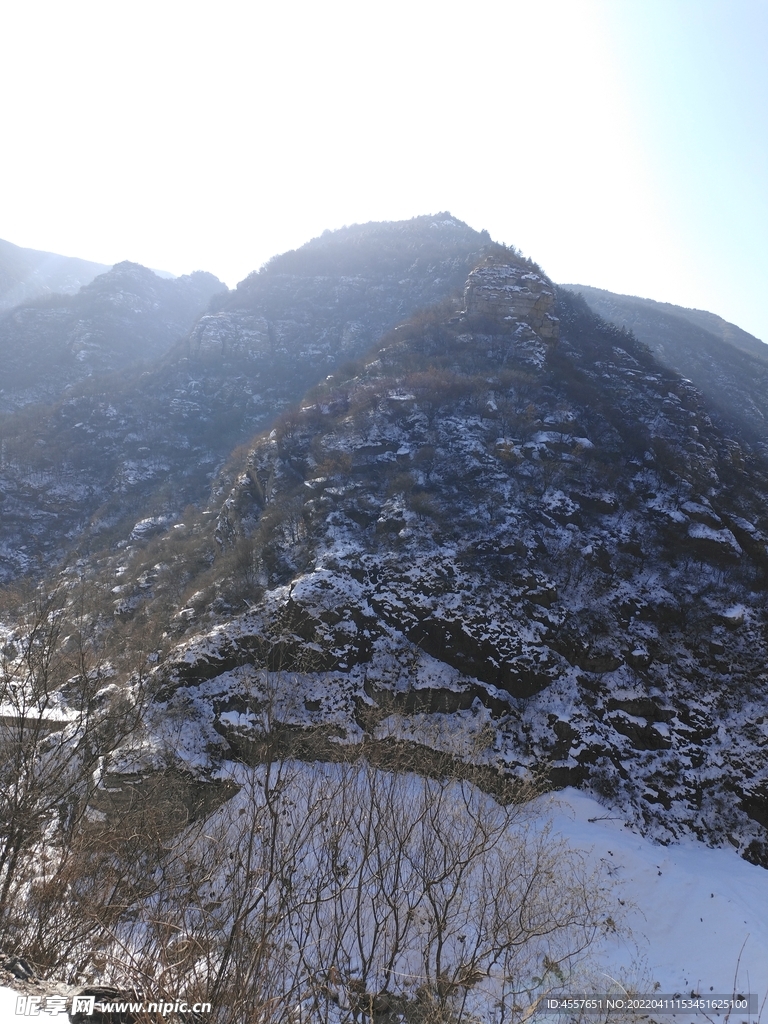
point(697, 919)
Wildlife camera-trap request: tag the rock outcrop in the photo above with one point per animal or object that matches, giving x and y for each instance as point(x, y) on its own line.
point(505, 291)
point(230, 334)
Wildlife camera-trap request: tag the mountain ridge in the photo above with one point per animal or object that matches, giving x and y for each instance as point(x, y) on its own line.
point(728, 365)
point(728, 332)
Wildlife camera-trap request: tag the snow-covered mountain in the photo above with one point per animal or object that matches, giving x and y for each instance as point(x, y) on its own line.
point(505, 519)
point(530, 553)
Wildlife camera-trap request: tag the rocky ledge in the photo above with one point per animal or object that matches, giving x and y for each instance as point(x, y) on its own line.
point(504, 291)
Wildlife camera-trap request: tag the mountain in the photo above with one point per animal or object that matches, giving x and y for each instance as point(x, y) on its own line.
point(728, 365)
point(508, 536)
point(28, 273)
point(396, 526)
point(631, 305)
point(141, 443)
point(335, 296)
point(505, 515)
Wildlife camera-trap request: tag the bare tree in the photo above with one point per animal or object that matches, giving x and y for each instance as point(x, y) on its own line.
point(321, 893)
point(60, 720)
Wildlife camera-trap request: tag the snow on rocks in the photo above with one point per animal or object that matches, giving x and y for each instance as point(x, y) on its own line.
point(721, 540)
point(148, 527)
point(506, 290)
point(551, 535)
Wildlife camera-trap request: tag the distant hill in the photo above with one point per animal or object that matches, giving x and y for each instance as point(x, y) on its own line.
point(728, 365)
point(122, 317)
point(28, 273)
point(711, 322)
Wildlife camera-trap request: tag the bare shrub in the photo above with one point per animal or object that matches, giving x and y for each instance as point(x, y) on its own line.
point(322, 892)
point(333, 893)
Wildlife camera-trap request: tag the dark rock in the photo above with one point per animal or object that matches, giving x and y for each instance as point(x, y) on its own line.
point(19, 968)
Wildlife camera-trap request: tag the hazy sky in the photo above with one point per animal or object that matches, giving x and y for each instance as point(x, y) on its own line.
point(620, 143)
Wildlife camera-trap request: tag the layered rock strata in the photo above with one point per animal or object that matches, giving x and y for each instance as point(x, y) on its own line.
point(509, 292)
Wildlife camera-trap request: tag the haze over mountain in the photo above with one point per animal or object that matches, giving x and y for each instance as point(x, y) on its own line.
point(728, 365)
point(28, 273)
point(146, 442)
point(122, 318)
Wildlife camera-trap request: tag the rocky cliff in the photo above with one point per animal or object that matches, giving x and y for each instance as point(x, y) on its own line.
point(504, 291)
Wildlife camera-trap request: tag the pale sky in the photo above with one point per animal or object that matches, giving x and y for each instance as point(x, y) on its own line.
point(619, 143)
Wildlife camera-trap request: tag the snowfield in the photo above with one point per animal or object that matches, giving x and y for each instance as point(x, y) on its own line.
point(699, 918)
point(7, 1005)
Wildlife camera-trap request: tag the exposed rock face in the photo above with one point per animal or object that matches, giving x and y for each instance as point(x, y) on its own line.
point(229, 334)
point(509, 292)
